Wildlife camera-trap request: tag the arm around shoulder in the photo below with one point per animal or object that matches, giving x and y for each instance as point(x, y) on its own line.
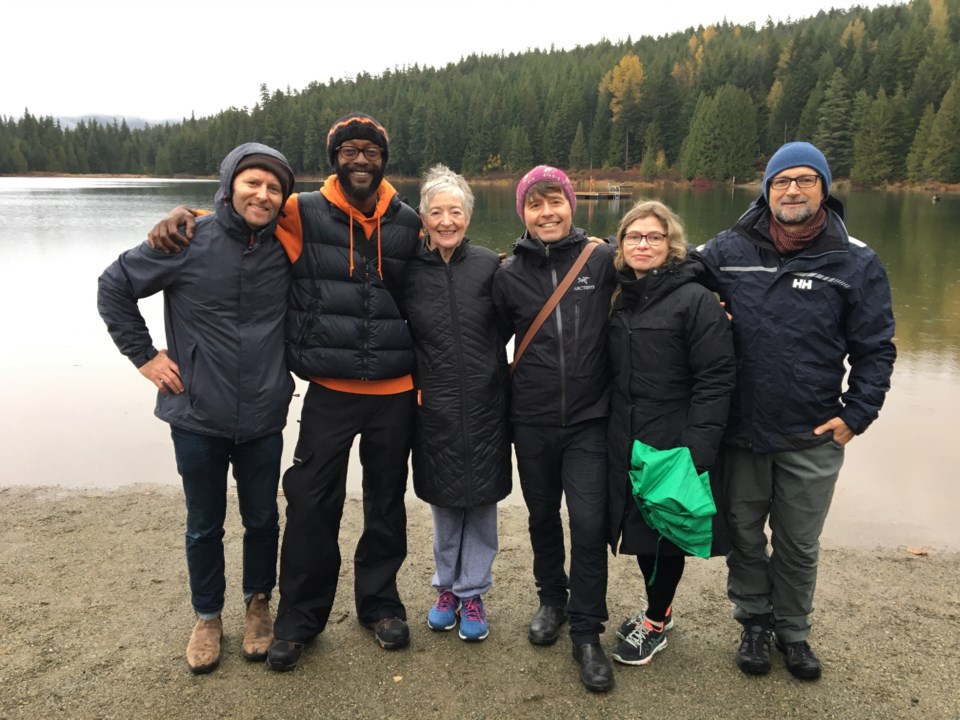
point(166, 236)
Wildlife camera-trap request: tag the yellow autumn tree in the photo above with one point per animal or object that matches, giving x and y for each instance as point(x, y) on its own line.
point(853, 34)
point(623, 83)
point(938, 16)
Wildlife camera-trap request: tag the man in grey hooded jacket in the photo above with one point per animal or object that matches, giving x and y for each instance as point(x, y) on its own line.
point(223, 385)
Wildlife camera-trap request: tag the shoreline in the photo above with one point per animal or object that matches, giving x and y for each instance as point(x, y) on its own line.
point(580, 179)
point(95, 614)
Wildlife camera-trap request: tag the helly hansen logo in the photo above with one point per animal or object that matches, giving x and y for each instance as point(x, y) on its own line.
point(800, 283)
point(583, 283)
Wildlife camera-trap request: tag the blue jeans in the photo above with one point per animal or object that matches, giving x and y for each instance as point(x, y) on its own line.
point(202, 462)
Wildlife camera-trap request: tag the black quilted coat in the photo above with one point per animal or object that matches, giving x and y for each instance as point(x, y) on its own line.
point(461, 451)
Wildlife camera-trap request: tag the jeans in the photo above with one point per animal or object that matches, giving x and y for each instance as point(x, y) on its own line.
point(202, 462)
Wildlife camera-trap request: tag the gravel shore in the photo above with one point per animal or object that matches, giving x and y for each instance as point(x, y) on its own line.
point(95, 617)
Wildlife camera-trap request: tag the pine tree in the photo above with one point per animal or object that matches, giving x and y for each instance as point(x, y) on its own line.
point(807, 125)
point(723, 137)
point(919, 147)
point(943, 152)
point(579, 158)
point(654, 157)
point(600, 129)
point(873, 159)
point(833, 125)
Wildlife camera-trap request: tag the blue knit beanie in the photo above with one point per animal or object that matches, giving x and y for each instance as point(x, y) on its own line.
point(796, 154)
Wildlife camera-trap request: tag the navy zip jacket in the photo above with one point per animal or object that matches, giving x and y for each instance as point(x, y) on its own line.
point(225, 296)
point(796, 319)
point(563, 377)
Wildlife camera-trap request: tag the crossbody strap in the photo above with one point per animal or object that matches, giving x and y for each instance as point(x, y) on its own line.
point(552, 302)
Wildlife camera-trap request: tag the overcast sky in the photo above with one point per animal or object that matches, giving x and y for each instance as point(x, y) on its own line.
point(164, 60)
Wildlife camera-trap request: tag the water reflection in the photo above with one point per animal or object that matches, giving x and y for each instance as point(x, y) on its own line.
point(77, 414)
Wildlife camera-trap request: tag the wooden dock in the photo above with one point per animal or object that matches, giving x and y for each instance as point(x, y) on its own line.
point(602, 195)
point(612, 192)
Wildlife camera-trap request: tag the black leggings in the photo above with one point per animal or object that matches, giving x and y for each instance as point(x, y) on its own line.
point(660, 594)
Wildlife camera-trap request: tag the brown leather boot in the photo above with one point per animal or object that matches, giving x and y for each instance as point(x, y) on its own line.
point(203, 650)
point(257, 628)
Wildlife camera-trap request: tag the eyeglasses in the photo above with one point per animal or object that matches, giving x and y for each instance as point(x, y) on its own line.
point(653, 239)
point(350, 152)
point(804, 181)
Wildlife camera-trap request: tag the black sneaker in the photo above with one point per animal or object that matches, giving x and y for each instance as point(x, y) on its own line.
point(639, 647)
point(800, 660)
point(391, 633)
point(753, 657)
point(630, 624)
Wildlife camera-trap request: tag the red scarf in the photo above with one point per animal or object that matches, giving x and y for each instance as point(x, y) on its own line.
point(787, 242)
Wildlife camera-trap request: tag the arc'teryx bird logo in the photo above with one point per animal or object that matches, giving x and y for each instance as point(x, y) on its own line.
point(583, 283)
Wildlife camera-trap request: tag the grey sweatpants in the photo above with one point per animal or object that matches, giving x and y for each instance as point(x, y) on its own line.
point(464, 546)
point(793, 489)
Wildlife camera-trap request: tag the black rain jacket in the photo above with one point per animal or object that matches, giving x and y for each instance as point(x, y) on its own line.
point(563, 378)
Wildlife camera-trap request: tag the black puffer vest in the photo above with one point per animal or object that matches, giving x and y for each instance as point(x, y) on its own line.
point(343, 325)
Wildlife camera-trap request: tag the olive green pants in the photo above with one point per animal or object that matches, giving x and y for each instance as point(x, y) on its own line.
point(792, 490)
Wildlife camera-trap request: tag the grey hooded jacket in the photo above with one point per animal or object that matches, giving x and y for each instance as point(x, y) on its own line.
point(225, 297)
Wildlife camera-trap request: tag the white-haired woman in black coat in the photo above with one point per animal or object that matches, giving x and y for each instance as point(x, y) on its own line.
point(461, 451)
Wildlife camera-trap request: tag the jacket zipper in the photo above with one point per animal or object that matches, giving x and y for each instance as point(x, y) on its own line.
point(560, 353)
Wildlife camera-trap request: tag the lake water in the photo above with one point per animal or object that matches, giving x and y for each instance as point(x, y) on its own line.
point(77, 414)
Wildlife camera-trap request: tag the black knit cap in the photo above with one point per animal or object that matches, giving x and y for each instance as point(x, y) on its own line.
point(267, 162)
point(356, 126)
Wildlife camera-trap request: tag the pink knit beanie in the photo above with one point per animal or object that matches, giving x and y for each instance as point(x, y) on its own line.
point(545, 173)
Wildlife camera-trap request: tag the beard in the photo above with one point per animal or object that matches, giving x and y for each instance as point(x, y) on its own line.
point(363, 192)
point(797, 216)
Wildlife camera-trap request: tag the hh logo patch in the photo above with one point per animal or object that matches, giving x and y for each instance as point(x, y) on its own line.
point(801, 284)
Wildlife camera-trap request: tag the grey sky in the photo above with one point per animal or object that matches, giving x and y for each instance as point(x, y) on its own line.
point(166, 60)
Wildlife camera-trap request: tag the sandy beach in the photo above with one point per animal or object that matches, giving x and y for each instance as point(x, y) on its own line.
point(95, 616)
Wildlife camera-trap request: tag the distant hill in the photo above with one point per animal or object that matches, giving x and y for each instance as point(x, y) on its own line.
point(134, 123)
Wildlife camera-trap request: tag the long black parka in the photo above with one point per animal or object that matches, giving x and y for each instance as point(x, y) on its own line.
point(461, 451)
point(674, 371)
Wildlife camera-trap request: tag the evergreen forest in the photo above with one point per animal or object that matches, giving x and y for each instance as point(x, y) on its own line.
point(878, 90)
